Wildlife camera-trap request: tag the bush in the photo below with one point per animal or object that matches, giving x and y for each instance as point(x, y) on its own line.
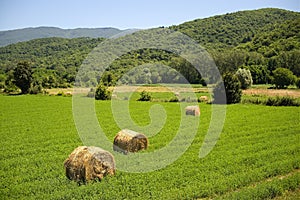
point(60, 93)
point(298, 83)
point(10, 88)
point(174, 99)
point(283, 77)
point(203, 82)
point(272, 101)
point(256, 100)
point(245, 78)
point(102, 93)
point(282, 101)
point(36, 89)
point(231, 88)
point(91, 93)
point(145, 96)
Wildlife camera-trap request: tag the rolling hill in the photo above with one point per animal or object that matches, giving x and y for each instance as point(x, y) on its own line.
point(232, 29)
point(261, 40)
point(20, 35)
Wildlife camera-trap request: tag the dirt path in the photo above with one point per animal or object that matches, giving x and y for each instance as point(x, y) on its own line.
point(135, 89)
point(273, 92)
point(268, 92)
point(158, 89)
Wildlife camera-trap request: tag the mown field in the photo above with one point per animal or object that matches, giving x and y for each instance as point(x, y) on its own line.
point(256, 157)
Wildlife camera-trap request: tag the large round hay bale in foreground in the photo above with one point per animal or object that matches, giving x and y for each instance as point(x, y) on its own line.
point(130, 141)
point(192, 110)
point(89, 163)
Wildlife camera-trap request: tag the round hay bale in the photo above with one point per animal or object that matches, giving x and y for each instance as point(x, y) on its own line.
point(130, 141)
point(89, 163)
point(192, 110)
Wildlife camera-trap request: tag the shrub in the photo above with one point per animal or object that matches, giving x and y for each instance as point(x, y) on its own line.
point(102, 92)
point(91, 93)
point(63, 85)
point(60, 93)
point(272, 101)
point(231, 88)
point(245, 78)
point(174, 99)
point(256, 100)
point(283, 77)
point(36, 89)
point(145, 96)
point(282, 101)
point(203, 82)
point(10, 88)
point(298, 83)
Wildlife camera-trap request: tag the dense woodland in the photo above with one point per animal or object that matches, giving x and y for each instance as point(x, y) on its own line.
point(259, 40)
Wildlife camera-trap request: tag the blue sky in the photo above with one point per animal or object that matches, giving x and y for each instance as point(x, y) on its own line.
point(121, 13)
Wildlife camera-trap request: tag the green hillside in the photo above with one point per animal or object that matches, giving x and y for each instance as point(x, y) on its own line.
point(56, 59)
point(260, 40)
point(231, 29)
point(279, 44)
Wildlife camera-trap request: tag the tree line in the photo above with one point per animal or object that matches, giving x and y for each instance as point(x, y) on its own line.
point(243, 40)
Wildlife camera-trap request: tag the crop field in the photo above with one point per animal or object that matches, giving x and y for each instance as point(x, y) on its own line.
point(256, 157)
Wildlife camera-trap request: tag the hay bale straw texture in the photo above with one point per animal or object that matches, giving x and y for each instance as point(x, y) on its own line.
point(192, 110)
point(89, 163)
point(130, 141)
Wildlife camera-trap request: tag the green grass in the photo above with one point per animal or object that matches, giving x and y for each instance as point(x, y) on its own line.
point(258, 144)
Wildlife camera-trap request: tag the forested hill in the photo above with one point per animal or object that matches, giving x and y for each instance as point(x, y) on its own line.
point(232, 29)
point(54, 60)
point(259, 40)
point(19, 35)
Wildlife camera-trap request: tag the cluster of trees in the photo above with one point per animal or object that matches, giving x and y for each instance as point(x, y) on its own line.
point(233, 83)
point(232, 29)
point(261, 42)
point(147, 66)
point(53, 61)
point(21, 77)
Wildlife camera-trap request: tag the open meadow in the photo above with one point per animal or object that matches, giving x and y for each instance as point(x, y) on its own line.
point(256, 157)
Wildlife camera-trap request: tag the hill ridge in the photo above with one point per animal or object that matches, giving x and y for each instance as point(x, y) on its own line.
point(30, 33)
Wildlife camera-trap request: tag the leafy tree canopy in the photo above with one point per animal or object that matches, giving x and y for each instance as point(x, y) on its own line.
point(23, 76)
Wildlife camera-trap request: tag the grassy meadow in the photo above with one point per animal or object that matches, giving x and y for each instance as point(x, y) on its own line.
point(256, 157)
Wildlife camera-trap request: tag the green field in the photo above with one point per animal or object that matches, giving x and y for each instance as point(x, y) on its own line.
point(256, 157)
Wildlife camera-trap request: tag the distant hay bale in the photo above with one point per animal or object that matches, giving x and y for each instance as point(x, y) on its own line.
point(89, 163)
point(68, 94)
point(203, 99)
point(130, 141)
point(114, 96)
point(192, 110)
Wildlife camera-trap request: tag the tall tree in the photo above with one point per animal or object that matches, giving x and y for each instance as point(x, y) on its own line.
point(231, 87)
point(23, 76)
point(245, 78)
